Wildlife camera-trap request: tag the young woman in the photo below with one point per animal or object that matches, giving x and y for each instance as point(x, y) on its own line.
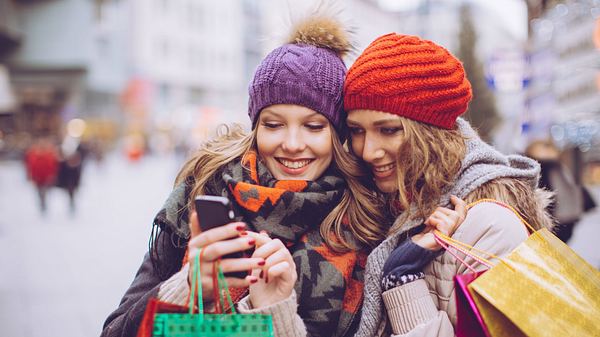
point(404, 96)
point(292, 180)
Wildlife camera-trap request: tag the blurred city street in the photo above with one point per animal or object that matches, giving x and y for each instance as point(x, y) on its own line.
point(48, 290)
point(63, 273)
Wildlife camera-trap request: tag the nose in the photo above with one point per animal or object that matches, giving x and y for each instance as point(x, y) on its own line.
point(294, 141)
point(372, 150)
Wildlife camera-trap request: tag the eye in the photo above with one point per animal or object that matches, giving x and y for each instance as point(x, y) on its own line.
point(271, 125)
point(390, 131)
point(315, 126)
point(355, 130)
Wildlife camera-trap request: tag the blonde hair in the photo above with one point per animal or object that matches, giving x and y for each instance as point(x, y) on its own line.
point(359, 208)
point(435, 160)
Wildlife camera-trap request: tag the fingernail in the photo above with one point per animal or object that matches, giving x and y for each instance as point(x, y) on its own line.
point(251, 242)
point(240, 228)
point(262, 263)
point(266, 278)
point(261, 274)
point(243, 233)
point(254, 280)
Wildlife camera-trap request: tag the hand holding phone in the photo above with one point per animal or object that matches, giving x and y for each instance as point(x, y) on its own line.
point(216, 211)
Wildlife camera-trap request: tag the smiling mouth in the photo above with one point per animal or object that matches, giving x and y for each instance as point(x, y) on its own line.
point(294, 164)
point(383, 171)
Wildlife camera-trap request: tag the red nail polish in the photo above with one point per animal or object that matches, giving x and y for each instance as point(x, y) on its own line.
point(266, 278)
point(261, 274)
point(243, 233)
point(240, 228)
point(262, 263)
point(251, 242)
point(253, 280)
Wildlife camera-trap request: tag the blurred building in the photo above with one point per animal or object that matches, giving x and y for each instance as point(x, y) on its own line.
point(68, 63)
point(125, 65)
point(564, 98)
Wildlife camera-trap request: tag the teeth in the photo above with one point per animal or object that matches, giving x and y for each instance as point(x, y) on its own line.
point(383, 168)
point(294, 164)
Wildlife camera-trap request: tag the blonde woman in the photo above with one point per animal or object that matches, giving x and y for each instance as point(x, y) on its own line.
point(292, 180)
point(404, 96)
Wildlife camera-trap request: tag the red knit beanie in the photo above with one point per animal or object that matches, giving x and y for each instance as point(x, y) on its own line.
point(409, 77)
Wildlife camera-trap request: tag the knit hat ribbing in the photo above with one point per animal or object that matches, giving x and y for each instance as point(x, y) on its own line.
point(308, 72)
point(410, 77)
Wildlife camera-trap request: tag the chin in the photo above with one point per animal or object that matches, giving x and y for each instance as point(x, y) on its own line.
point(387, 186)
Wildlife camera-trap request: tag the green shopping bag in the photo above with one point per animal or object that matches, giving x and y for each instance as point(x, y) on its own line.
point(211, 325)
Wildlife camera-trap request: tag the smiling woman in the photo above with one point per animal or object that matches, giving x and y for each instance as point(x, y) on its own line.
point(298, 196)
point(295, 142)
point(404, 96)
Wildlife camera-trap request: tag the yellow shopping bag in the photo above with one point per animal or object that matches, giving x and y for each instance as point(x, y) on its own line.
point(542, 288)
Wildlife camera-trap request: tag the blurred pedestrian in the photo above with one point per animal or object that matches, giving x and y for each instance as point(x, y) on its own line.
point(41, 162)
point(71, 164)
point(572, 200)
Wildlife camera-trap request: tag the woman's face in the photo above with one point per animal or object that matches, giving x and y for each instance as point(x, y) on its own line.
point(294, 142)
point(376, 138)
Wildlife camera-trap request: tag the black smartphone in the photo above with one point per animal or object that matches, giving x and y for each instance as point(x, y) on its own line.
point(214, 211)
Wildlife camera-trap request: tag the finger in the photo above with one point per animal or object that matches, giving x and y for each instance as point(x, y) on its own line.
point(243, 264)
point(268, 248)
point(215, 250)
point(282, 255)
point(282, 270)
point(216, 234)
point(460, 206)
point(260, 238)
point(194, 225)
point(444, 222)
point(234, 282)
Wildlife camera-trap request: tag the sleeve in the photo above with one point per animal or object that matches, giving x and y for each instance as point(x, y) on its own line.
point(405, 264)
point(125, 320)
point(410, 307)
point(412, 312)
point(286, 321)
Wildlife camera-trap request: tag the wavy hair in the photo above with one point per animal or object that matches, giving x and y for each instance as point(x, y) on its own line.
point(435, 160)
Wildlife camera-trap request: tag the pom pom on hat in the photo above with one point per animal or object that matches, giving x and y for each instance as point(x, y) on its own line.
point(308, 71)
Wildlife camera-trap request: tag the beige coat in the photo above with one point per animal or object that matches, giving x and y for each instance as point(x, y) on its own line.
point(427, 307)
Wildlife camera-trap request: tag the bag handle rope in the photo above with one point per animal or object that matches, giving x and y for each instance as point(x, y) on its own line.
point(477, 254)
point(221, 291)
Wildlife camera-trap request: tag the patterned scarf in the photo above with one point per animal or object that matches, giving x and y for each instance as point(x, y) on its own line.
point(330, 284)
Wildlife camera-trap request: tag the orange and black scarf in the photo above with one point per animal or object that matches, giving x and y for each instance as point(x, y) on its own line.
point(330, 284)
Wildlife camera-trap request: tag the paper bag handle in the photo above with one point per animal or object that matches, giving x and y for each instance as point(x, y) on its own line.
point(447, 242)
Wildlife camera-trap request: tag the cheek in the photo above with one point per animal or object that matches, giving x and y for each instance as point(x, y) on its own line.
point(322, 145)
point(265, 144)
point(356, 144)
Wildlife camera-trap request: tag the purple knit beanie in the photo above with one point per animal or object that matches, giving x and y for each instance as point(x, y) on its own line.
point(308, 72)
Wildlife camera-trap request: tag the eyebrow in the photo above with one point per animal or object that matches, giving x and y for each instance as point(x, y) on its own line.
point(377, 122)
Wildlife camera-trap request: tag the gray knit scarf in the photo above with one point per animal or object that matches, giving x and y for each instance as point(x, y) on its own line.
point(481, 164)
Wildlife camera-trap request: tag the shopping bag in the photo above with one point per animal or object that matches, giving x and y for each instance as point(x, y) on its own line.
point(469, 322)
point(196, 323)
point(542, 288)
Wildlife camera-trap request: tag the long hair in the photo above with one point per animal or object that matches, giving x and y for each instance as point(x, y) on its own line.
point(359, 209)
point(435, 160)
